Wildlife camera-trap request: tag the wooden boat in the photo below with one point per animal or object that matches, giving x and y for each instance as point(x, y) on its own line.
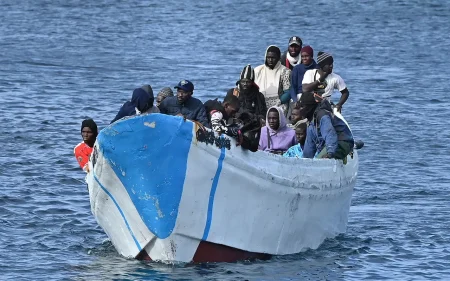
point(164, 189)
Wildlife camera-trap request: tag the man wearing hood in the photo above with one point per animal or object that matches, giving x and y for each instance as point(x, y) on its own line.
point(273, 79)
point(308, 63)
point(324, 80)
point(84, 149)
point(184, 104)
point(141, 102)
point(251, 100)
point(291, 57)
point(327, 134)
point(276, 137)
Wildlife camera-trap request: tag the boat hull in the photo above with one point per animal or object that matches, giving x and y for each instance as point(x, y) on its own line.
point(163, 189)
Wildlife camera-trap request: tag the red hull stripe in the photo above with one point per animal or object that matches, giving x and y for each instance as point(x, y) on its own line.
point(211, 252)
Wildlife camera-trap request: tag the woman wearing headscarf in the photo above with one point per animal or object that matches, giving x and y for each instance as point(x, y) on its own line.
point(84, 149)
point(276, 137)
point(141, 102)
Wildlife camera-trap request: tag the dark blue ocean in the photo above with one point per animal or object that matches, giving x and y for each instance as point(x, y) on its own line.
point(64, 60)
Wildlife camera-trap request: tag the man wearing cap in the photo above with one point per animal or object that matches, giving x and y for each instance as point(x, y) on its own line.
point(299, 71)
point(323, 80)
point(291, 57)
point(183, 104)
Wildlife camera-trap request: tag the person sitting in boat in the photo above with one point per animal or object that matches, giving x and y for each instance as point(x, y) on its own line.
point(276, 137)
point(325, 78)
point(300, 134)
point(291, 57)
point(327, 134)
point(164, 93)
point(273, 79)
point(141, 102)
point(84, 149)
point(298, 73)
point(251, 100)
point(219, 113)
point(184, 104)
point(152, 108)
point(296, 118)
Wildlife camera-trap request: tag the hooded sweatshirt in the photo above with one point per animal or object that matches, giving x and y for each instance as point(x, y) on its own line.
point(276, 140)
point(140, 102)
point(273, 83)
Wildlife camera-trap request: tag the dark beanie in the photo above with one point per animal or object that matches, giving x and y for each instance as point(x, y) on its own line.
point(274, 49)
point(90, 124)
point(247, 73)
point(308, 50)
point(324, 59)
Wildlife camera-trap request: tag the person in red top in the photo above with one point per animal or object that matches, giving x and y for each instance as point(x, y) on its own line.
point(84, 149)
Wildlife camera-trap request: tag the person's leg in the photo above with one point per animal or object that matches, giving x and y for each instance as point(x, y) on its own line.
point(343, 149)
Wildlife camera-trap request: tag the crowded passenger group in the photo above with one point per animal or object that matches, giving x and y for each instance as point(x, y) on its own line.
point(282, 106)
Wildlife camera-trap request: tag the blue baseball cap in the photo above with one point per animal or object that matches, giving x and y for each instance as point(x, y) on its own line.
point(185, 85)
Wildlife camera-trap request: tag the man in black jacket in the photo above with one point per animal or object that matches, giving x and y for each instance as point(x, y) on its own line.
point(183, 104)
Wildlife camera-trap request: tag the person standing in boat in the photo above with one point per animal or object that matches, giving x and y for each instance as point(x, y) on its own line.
point(276, 137)
point(164, 93)
point(327, 134)
point(324, 78)
point(307, 54)
point(84, 149)
point(184, 104)
point(291, 57)
point(274, 79)
point(250, 99)
point(219, 113)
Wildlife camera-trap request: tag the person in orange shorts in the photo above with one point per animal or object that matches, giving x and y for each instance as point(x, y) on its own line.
point(84, 149)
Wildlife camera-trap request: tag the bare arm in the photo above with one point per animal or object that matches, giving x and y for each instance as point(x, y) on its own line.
point(345, 93)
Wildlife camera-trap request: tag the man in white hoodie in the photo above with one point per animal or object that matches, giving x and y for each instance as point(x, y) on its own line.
point(273, 79)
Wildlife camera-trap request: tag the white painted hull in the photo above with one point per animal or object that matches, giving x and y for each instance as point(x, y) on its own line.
point(255, 202)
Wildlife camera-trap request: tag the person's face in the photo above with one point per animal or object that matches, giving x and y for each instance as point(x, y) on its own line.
point(230, 110)
point(306, 58)
point(294, 50)
point(328, 68)
point(295, 116)
point(245, 84)
point(300, 134)
point(272, 59)
point(183, 96)
point(87, 134)
point(159, 99)
point(274, 120)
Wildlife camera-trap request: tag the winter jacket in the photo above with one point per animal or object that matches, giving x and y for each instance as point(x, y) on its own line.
point(297, 78)
point(192, 109)
point(252, 102)
point(326, 130)
point(279, 140)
